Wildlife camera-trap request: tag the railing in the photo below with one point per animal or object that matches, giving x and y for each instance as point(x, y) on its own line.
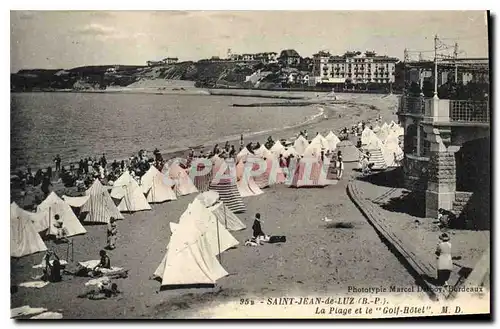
point(469, 111)
point(414, 105)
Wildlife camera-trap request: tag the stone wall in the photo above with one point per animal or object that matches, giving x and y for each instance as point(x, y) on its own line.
point(442, 168)
point(415, 173)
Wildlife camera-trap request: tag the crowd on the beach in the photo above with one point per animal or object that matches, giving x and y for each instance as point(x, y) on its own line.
point(83, 173)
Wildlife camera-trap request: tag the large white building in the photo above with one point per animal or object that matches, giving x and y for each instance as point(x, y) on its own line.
point(354, 68)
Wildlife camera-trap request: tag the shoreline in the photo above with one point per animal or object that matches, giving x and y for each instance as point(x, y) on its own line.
point(181, 151)
point(328, 107)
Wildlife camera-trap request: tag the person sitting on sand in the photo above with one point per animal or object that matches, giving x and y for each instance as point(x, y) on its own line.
point(104, 263)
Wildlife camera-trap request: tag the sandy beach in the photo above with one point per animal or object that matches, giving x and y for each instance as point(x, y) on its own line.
point(314, 259)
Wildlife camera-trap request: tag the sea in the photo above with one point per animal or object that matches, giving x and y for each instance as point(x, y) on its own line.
point(78, 125)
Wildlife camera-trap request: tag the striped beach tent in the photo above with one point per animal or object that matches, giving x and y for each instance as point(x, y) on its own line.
point(96, 206)
point(129, 193)
point(309, 173)
point(24, 238)
point(201, 172)
point(245, 182)
point(224, 183)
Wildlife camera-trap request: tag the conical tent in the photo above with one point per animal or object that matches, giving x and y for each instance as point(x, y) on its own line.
point(321, 141)
point(243, 154)
point(391, 150)
point(333, 140)
point(190, 260)
point(97, 204)
point(225, 216)
point(309, 173)
point(277, 148)
point(217, 235)
point(155, 185)
point(183, 183)
point(349, 152)
point(290, 151)
point(245, 182)
point(224, 183)
point(127, 190)
point(258, 171)
point(368, 137)
point(313, 150)
point(263, 152)
point(201, 173)
point(54, 205)
point(274, 172)
point(39, 221)
point(300, 144)
point(24, 239)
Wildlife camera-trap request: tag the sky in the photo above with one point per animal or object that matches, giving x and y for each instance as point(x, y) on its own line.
point(67, 39)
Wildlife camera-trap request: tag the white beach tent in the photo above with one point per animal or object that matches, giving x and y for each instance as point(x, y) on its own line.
point(155, 186)
point(383, 132)
point(53, 205)
point(320, 140)
point(97, 204)
point(333, 140)
point(243, 154)
point(290, 151)
point(300, 144)
point(391, 150)
point(277, 148)
point(127, 190)
point(314, 150)
point(190, 260)
point(263, 152)
point(24, 239)
point(183, 183)
point(218, 236)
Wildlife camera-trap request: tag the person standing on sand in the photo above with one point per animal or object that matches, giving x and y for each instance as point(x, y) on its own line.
point(232, 152)
point(112, 233)
point(257, 227)
point(57, 161)
point(445, 263)
point(45, 185)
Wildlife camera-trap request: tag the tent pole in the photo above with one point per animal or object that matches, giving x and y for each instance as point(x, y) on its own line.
point(225, 217)
point(218, 240)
